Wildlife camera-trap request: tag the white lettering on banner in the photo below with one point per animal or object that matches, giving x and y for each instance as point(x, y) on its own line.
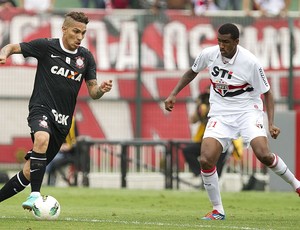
point(284, 46)
point(180, 44)
point(18, 27)
point(197, 33)
point(128, 47)
point(269, 48)
point(97, 30)
point(55, 24)
point(296, 59)
point(60, 118)
point(249, 40)
point(175, 38)
point(266, 49)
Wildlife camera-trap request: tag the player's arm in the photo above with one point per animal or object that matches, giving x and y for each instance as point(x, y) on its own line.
point(97, 91)
point(187, 77)
point(8, 50)
point(269, 102)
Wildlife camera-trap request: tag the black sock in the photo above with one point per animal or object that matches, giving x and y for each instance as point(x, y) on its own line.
point(15, 185)
point(38, 164)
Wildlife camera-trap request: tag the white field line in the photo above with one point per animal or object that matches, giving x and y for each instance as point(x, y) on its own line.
point(138, 223)
point(161, 224)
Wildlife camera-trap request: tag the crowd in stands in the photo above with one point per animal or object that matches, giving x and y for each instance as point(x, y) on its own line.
point(197, 7)
point(37, 5)
point(269, 8)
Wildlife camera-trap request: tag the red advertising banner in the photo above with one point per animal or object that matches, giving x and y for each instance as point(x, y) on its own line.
point(169, 44)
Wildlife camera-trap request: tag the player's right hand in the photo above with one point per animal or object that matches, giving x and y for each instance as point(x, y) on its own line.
point(170, 102)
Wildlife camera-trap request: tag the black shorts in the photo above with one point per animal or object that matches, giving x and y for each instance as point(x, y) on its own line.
point(43, 121)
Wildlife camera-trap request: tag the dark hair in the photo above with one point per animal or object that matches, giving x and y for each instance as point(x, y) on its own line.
point(231, 29)
point(78, 17)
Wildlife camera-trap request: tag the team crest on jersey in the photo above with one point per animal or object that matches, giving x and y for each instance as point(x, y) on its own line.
point(259, 125)
point(43, 123)
point(221, 87)
point(79, 62)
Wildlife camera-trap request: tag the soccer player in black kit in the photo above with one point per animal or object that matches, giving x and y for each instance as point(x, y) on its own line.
point(62, 67)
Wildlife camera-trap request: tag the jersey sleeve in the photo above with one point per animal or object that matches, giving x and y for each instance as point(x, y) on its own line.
point(259, 80)
point(201, 62)
point(91, 68)
point(35, 48)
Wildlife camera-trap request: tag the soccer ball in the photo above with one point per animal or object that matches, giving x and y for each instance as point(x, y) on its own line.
point(46, 208)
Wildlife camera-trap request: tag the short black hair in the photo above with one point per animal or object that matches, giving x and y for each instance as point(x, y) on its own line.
point(231, 29)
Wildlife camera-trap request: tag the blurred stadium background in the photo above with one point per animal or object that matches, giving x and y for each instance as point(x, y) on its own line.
point(126, 138)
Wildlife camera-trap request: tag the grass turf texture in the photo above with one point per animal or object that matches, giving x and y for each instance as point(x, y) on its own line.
point(87, 208)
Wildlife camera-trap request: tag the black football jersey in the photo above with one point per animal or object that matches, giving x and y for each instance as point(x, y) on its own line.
point(59, 76)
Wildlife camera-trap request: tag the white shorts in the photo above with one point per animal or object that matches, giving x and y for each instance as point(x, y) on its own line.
point(226, 128)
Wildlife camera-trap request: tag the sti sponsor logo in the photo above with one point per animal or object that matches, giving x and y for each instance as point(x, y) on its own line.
point(224, 73)
point(61, 71)
point(60, 118)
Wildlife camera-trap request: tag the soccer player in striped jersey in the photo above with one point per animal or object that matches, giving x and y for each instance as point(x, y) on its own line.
point(62, 67)
point(236, 109)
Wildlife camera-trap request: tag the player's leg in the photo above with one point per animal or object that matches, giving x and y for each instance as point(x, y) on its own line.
point(33, 171)
point(40, 135)
point(16, 184)
point(274, 162)
point(38, 162)
point(253, 132)
point(217, 136)
point(211, 149)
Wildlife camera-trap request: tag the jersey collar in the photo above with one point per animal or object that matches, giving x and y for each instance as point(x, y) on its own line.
point(64, 49)
point(231, 61)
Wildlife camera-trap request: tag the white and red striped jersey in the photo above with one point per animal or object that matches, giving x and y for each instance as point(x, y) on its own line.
point(236, 84)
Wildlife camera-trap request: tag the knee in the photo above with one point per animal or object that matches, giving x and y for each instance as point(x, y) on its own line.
point(266, 159)
point(41, 141)
point(205, 162)
point(264, 155)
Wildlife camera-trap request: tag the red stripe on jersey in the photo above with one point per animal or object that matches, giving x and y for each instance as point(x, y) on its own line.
point(231, 86)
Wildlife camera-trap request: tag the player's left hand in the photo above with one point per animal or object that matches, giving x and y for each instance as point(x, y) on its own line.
point(106, 86)
point(274, 131)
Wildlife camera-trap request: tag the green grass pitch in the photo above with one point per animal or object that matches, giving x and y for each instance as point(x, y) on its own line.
point(89, 208)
